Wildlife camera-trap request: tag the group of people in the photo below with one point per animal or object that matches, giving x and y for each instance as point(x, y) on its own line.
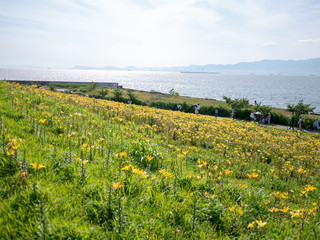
point(260, 117)
point(313, 126)
point(197, 109)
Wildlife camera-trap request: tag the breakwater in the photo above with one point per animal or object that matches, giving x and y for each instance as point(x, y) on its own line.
point(99, 84)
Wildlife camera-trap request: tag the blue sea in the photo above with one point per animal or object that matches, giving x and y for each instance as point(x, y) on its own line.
point(273, 90)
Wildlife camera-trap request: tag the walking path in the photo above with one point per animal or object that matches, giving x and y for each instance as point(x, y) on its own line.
point(287, 128)
point(279, 126)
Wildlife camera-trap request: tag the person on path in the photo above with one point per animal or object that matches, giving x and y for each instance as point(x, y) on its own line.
point(262, 120)
point(179, 107)
point(233, 113)
point(216, 111)
point(252, 116)
point(316, 124)
point(197, 109)
point(269, 118)
point(300, 123)
point(291, 124)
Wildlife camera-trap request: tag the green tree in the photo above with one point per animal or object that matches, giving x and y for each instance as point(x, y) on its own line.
point(299, 108)
point(172, 92)
point(261, 108)
point(237, 103)
point(103, 92)
point(132, 97)
point(117, 94)
point(93, 85)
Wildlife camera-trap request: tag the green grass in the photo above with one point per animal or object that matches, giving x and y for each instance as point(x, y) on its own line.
point(118, 171)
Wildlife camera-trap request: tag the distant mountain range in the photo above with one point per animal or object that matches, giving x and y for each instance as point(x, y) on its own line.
point(309, 66)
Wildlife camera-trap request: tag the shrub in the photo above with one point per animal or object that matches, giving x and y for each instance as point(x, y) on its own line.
point(279, 118)
point(243, 114)
point(224, 112)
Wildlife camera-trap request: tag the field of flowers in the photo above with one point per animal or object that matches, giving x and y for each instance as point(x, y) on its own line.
point(74, 167)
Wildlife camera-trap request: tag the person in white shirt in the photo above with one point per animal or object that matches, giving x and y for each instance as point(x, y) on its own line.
point(197, 109)
point(252, 116)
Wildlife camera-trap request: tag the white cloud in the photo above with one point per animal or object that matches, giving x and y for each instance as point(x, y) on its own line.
point(309, 41)
point(269, 44)
point(155, 32)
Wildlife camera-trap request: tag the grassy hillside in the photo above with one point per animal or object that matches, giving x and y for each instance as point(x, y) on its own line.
point(78, 168)
point(92, 89)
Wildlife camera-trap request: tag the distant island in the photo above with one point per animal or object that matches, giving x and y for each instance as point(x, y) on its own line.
point(304, 67)
point(201, 72)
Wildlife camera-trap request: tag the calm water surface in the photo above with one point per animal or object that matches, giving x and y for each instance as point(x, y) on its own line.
point(272, 90)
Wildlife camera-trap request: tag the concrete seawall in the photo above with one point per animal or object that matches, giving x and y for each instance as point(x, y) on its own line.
point(99, 84)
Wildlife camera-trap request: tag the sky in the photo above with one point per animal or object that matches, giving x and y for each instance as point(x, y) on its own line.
point(156, 33)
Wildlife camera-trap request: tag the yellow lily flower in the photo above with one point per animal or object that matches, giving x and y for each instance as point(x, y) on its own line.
point(37, 166)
